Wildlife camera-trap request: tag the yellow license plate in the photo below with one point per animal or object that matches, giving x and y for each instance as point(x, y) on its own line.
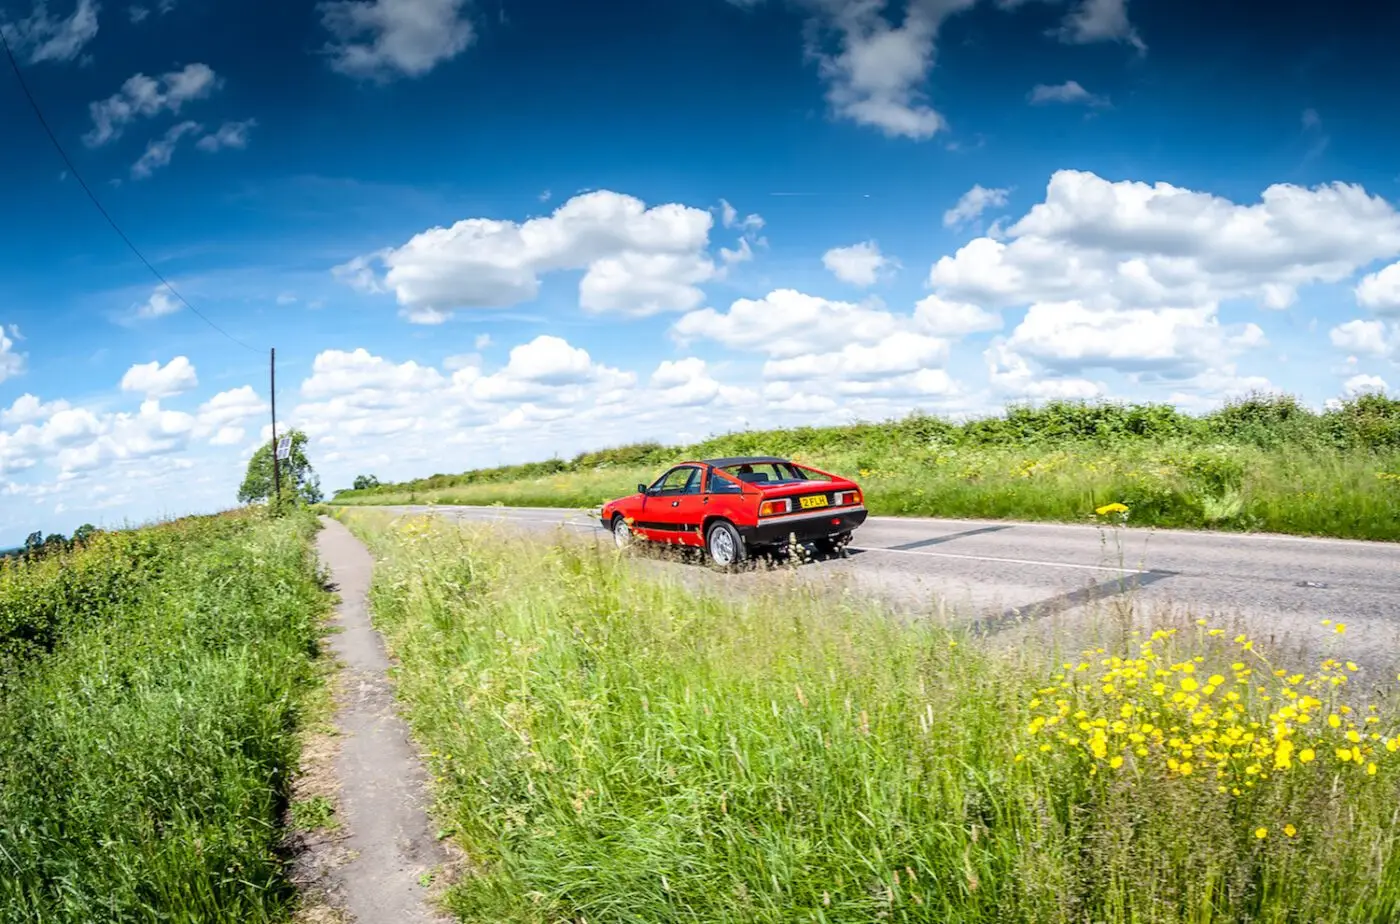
point(818, 500)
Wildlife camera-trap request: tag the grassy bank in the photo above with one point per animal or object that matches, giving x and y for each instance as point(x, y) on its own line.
point(149, 716)
point(612, 748)
point(1265, 463)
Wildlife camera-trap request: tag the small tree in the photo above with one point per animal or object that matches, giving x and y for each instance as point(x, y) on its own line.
point(365, 482)
point(83, 533)
point(299, 480)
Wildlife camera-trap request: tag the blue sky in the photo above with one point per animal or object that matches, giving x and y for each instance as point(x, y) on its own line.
point(768, 211)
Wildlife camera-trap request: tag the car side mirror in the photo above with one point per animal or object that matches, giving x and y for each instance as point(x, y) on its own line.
point(642, 489)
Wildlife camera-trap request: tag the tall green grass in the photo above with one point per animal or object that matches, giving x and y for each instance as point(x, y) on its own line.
point(148, 723)
point(611, 747)
point(1263, 463)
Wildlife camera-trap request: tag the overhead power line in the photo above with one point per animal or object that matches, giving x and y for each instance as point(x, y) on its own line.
point(39, 114)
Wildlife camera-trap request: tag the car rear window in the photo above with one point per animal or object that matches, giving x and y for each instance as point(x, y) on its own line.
point(771, 473)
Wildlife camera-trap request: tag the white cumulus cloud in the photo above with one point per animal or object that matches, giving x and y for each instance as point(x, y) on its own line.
point(11, 363)
point(1130, 277)
point(1165, 342)
point(943, 318)
point(638, 260)
point(1370, 337)
point(749, 224)
point(787, 323)
point(876, 71)
point(688, 383)
point(228, 409)
point(47, 37)
point(385, 39)
point(227, 135)
point(1011, 376)
point(1071, 91)
point(1362, 384)
point(157, 381)
point(860, 264)
point(28, 408)
point(160, 150)
point(158, 305)
point(143, 97)
point(1109, 244)
point(894, 355)
point(972, 204)
point(1380, 291)
point(1100, 21)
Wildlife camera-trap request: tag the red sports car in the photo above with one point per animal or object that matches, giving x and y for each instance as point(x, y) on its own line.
point(731, 507)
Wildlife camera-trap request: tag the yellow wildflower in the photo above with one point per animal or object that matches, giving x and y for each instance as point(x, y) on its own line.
point(1290, 830)
point(1261, 833)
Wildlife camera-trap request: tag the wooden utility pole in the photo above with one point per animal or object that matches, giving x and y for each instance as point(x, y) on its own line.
point(276, 467)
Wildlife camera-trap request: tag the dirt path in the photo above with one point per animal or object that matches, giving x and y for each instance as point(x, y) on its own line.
point(381, 785)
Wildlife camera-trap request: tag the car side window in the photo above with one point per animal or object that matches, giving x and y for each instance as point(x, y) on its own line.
point(721, 485)
point(676, 481)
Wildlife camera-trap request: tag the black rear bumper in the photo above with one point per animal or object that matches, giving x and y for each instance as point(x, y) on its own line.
point(805, 528)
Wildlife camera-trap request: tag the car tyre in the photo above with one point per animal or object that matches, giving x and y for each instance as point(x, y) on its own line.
point(622, 533)
point(724, 545)
point(834, 546)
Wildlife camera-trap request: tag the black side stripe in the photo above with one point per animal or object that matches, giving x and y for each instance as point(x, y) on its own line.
point(668, 527)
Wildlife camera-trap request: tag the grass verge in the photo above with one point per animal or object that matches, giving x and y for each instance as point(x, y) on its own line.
point(613, 748)
point(1263, 464)
point(149, 739)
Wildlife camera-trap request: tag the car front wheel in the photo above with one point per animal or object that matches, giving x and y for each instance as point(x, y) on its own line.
point(621, 532)
point(724, 545)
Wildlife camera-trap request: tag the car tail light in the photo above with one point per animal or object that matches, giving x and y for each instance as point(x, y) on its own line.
point(844, 498)
point(774, 507)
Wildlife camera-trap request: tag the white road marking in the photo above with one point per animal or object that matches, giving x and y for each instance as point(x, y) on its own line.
point(529, 519)
point(1002, 561)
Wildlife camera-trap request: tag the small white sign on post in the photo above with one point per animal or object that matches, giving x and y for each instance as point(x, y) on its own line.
point(284, 448)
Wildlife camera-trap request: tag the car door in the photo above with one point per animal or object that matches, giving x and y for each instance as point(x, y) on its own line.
point(660, 516)
point(688, 510)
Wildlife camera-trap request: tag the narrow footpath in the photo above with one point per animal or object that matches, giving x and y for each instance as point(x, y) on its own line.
point(382, 794)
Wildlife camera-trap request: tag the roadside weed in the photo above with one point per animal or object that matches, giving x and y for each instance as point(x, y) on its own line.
point(613, 747)
point(147, 742)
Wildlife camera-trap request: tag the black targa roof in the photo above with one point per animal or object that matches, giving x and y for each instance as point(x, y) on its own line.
point(741, 460)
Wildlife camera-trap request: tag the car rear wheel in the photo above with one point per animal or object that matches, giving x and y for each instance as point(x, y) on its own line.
point(834, 545)
point(724, 545)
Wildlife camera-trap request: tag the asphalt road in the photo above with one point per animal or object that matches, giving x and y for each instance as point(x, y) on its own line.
point(1003, 576)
